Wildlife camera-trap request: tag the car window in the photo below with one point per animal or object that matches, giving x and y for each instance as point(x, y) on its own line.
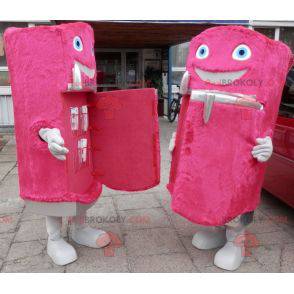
point(287, 103)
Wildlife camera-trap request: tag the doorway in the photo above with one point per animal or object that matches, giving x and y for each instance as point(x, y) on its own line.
point(119, 69)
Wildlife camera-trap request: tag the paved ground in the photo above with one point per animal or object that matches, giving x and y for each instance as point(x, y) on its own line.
point(146, 235)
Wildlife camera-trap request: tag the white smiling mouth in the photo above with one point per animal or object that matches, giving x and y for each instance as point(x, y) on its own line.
point(77, 71)
point(219, 78)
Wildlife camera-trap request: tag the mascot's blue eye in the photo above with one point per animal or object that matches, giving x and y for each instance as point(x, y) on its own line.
point(77, 43)
point(202, 52)
point(241, 52)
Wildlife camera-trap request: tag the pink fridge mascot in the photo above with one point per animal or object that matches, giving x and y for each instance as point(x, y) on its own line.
point(100, 138)
point(232, 90)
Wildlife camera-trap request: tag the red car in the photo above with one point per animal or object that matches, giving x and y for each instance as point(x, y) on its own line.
point(279, 177)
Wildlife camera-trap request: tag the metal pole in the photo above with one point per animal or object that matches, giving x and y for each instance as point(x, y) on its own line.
point(169, 78)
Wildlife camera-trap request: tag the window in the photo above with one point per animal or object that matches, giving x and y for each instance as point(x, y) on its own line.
point(109, 67)
point(179, 57)
point(287, 36)
point(4, 76)
point(118, 69)
point(287, 103)
point(179, 54)
point(132, 69)
point(269, 32)
point(6, 108)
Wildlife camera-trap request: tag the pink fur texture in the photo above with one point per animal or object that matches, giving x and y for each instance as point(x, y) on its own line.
point(214, 177)
point(40, 61)
point(125, 131)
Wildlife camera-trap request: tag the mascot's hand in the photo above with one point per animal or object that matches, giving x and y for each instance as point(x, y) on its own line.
point(263, 150)
point(55, 142)
point(172, 142)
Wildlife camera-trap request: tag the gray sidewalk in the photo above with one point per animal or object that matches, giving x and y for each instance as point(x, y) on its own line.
point(146, 235)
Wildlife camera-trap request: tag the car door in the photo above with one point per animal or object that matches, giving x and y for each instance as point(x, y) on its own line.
point(279, 177)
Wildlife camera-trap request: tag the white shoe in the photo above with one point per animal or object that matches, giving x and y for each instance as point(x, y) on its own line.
point(90, 237)
point(209, 239)
point(61, 252)
point(231, 256)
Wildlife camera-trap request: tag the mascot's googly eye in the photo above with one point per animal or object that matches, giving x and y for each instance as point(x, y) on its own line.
point(202, 52)
point(241, 52)
point(77, 43)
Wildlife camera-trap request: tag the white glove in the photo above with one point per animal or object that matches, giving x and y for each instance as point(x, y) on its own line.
point(172, 142)
point(55, 142)
point(263, 150)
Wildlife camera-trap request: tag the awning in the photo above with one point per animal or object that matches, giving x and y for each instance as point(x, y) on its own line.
point(148, 34)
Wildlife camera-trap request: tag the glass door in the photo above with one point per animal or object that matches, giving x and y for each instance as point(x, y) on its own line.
point(118, 69)
point(132, 71)
point(109, 70)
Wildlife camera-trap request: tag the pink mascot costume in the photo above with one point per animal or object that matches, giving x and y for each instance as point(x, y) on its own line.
point(232, 90)
point(95, 138)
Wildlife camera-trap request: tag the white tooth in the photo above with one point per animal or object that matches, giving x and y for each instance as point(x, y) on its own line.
point(86, 70)
point(223, 78)
point(77, 77)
